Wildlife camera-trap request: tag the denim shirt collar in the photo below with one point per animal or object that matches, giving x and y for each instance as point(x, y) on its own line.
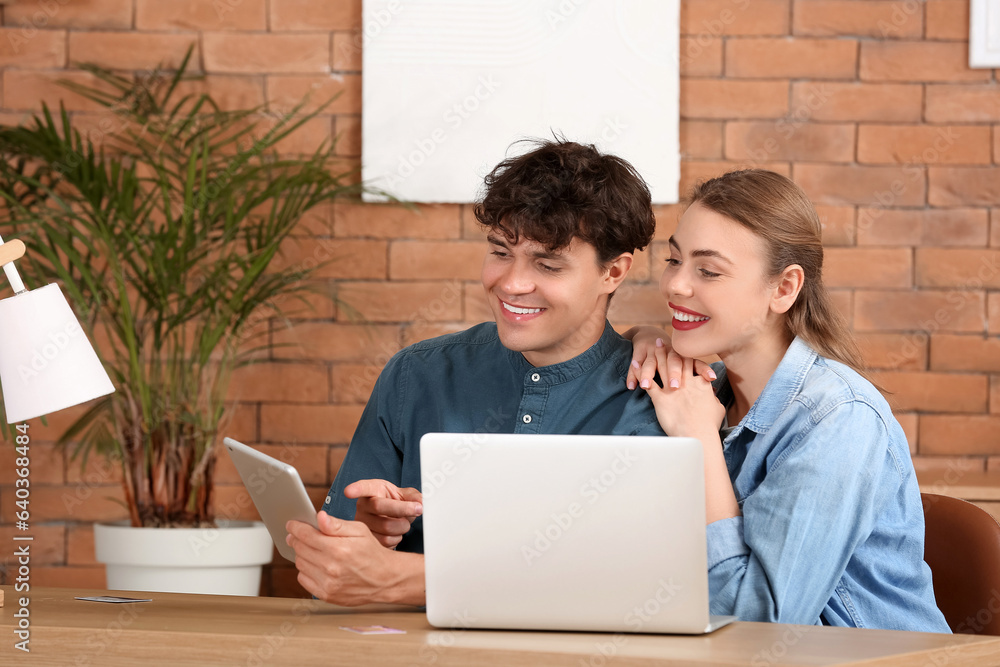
point(779, 392)
point(571, 368)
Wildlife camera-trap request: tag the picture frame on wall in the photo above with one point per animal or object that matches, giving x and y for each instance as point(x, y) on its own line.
point(984, 33)
point(450, 87)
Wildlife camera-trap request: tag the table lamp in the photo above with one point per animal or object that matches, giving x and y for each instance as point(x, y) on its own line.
point(46, 361)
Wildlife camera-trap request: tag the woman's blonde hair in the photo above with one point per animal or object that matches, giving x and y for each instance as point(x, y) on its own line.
point(778, 211)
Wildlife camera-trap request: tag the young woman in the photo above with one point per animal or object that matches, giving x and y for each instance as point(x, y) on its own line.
point(813, 510)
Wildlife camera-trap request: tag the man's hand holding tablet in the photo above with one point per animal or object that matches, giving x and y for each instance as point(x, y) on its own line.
point(343, 562)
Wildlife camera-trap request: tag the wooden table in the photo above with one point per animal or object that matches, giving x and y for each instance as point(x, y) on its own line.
point(177, 629)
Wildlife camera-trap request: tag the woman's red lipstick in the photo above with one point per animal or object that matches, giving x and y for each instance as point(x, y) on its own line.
point(686, 324)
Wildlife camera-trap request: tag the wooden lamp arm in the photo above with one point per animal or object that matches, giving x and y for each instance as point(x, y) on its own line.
point(11, 250)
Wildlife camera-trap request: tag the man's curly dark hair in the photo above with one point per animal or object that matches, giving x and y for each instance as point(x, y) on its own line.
point(563, 190)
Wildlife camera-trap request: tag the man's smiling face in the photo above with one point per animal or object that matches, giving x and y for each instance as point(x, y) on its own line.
point(548, 305)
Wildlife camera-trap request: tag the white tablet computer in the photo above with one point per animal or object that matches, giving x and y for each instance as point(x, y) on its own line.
point(276, 489)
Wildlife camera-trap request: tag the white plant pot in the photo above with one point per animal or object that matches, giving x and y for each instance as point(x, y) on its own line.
point(222, 561)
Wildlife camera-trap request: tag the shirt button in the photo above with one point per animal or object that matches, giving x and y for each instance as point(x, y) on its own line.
point(526, 419)
point(535, 377)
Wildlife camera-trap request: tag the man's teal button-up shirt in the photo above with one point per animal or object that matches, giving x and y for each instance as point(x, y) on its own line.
point(468, 382)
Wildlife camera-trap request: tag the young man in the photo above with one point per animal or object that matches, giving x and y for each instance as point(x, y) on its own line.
point(563, 222)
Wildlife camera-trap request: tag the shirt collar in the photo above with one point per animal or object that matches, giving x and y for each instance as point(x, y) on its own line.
point(572, 368)
point(779, 392)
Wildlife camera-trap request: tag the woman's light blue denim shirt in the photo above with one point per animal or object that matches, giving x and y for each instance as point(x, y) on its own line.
point(832, 530)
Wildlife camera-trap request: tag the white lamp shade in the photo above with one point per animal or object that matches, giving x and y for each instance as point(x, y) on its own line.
point(46, 361)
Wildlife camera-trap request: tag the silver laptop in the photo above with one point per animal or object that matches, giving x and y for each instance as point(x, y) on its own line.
point(565, 532)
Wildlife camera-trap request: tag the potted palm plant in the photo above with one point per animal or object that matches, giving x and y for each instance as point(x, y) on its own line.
point(161, 236)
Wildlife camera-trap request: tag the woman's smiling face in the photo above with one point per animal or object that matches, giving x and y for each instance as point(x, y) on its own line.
point(717, 286)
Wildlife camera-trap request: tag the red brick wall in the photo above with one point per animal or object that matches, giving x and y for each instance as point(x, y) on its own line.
point(868, 104)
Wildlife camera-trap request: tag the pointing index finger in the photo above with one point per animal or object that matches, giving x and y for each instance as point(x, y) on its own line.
point(370, 488)
point(400, 509)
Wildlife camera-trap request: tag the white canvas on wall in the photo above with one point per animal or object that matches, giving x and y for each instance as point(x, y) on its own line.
point(984, 33)
point(449, 86)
